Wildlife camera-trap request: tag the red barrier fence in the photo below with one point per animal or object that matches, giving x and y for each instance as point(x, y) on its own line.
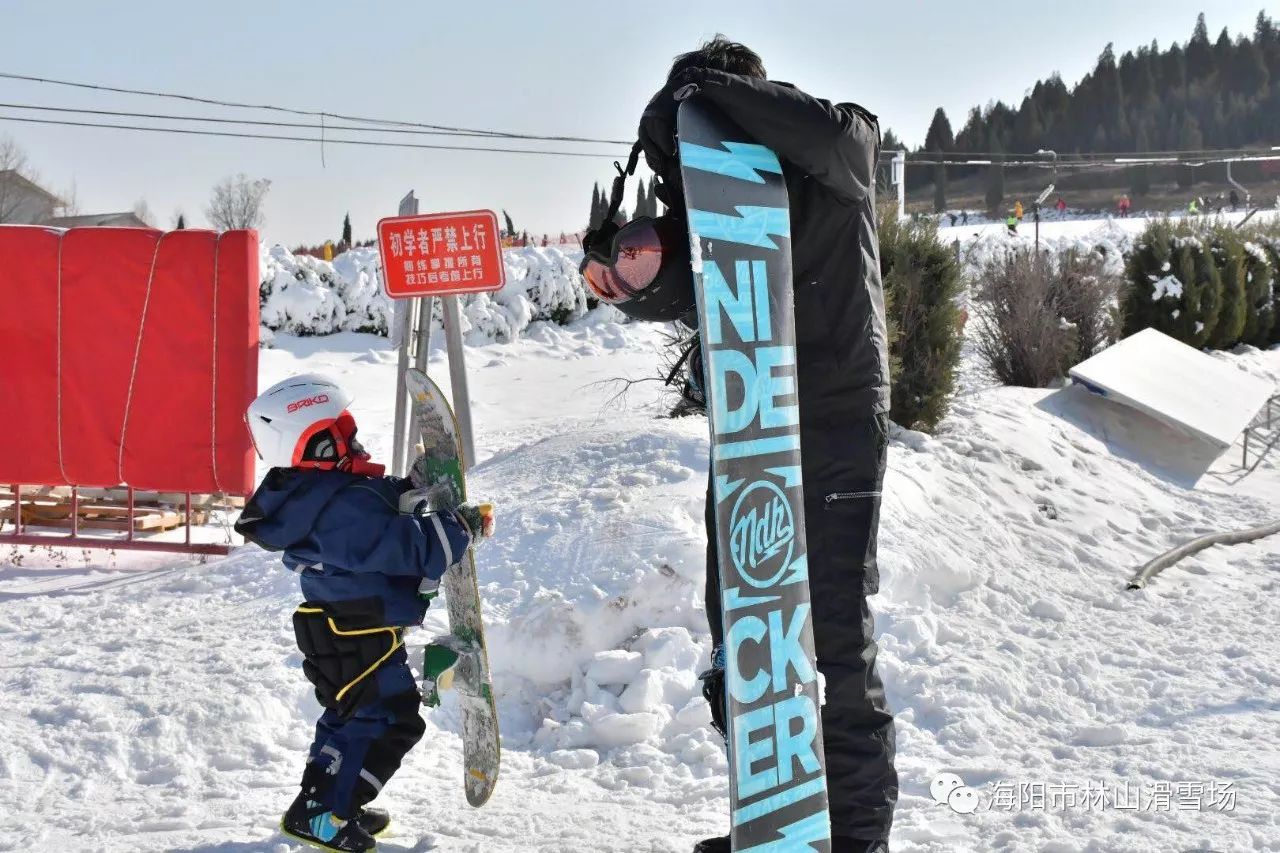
point(127, 357)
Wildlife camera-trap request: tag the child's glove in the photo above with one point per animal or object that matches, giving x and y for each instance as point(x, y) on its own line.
point(479, 520)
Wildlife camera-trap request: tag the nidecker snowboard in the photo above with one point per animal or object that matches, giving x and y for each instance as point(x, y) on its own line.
point(740, 238)
point(459, 660)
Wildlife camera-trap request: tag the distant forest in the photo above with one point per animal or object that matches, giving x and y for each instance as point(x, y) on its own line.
point(1206, 94)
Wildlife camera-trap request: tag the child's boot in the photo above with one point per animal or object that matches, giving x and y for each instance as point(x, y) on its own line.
point(313, 823)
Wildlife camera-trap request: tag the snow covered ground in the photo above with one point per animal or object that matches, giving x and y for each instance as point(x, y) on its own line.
point(157, 703)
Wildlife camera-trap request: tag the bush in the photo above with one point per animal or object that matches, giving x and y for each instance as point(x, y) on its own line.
point(1174, 283)
point(1232, 262)
point(1085, 295)
point(1153, 297)
point(1260, 314)
point(1272, 250)
point(922, 281)
point(1022, 335)
point(1201, 291)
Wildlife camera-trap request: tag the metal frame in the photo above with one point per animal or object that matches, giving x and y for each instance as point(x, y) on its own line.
point(1263, 422)
point(128, 543)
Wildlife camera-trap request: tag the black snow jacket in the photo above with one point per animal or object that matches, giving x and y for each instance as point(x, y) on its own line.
point(828, 153)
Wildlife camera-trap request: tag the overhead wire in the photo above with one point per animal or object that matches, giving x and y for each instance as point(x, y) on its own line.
point(311, 139)
point(296, 111)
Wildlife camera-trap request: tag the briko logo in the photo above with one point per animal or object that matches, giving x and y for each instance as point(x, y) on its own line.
point(762, 534)
point(308, 401)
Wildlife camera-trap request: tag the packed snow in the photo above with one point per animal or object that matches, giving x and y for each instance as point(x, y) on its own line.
point(157, 702)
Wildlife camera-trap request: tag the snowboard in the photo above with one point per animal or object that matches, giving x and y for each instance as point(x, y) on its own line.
point(459, 660)
point(740, 240)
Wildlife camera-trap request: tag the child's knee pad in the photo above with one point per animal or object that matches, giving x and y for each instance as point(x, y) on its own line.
point(341, 661)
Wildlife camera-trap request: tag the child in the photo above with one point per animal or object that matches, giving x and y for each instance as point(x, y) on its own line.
point(361, 564)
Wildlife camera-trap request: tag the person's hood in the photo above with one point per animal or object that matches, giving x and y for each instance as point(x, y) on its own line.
point(285, 507)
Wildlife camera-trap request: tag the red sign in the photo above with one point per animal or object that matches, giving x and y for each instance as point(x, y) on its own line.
point(439, 254)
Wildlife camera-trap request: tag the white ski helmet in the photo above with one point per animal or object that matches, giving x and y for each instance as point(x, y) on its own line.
point(302, 422)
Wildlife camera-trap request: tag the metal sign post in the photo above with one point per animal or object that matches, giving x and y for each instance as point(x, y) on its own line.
point(405, 321)
point(429, 255)
point(458, 378)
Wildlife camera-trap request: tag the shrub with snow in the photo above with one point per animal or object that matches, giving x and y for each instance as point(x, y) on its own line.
point(302, 295)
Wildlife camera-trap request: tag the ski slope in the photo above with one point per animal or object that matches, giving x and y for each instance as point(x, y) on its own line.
point(156, 703)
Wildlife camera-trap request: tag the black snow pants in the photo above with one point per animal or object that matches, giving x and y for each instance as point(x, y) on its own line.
point(362, 678)
point(843, 473)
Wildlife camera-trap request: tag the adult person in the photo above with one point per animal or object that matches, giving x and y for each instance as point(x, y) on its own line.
point(828, 153)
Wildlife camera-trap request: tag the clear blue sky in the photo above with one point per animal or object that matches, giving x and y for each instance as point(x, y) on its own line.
point(570, 68)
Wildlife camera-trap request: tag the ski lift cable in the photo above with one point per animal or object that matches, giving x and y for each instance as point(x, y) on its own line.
point(294, 111)
point(311, 139)
point(321, 126)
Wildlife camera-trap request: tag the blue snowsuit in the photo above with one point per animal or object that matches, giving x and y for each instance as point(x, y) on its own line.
point(361, 562)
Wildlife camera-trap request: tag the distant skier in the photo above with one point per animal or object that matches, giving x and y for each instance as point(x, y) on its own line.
point(1235, 201)
point(1011, 222)
point(1061, 206)
point(828, 153)
point(1194, 208)
point(367, 573)
point(1017, 210)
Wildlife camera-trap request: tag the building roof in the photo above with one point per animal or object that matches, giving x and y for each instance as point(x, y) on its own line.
point(16, 176)
point(128, 219)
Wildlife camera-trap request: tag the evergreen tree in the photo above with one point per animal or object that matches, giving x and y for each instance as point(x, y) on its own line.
point(593, 220)
point(346, 229)
point(642, 203)
point(1199, 52)
point(182, 223)
point(939, 140)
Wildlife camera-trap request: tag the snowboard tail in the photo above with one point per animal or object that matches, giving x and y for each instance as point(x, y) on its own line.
point(740, 238)
point(440, 470)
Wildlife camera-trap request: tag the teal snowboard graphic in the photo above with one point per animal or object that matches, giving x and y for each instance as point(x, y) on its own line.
point(740, 238)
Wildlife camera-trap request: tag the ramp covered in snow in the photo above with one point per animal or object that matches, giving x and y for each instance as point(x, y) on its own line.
point(1177, 384)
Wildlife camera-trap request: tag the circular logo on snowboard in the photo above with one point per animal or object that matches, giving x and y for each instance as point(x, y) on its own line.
point(762, 534)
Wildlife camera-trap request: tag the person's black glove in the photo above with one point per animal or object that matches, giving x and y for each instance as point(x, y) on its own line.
point(658, 121)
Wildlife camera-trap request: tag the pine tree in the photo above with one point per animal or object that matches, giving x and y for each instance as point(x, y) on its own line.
point(346, 230)
point(939, 140)
point(182, 223)
point(654, 201)
point(1199, 52)
point(642, 203)
point(593, 221)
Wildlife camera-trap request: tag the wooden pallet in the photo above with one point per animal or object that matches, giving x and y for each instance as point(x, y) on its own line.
point(99, 515)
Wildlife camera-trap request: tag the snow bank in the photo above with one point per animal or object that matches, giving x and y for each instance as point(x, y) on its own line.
point(302, 295)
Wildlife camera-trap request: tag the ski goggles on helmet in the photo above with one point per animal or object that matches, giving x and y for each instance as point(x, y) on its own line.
point(642, 268)
point(621, 262)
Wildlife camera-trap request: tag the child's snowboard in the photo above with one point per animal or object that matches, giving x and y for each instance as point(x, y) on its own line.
point(459, 660)
point(740, 237)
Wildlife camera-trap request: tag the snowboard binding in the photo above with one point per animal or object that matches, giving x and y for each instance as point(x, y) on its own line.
point(449, 663)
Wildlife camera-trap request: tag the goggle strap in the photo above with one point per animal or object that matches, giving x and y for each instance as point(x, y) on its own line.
point(619, 183)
